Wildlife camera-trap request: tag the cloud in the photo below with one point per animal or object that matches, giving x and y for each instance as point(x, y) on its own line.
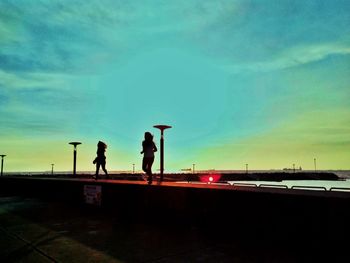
point(270, 35)
point(45, 37)
point(21, 120)
point(292, 57)
point(38, 103)
point(82, 36)
point(27, 80)
point(61, 36)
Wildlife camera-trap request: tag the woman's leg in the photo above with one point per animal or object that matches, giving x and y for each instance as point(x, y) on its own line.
point(97, 168)
point(103, 165)
point(144, 164)
point(149, 164)
point(150, 161)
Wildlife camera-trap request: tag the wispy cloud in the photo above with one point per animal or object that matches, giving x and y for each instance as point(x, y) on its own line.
point(270, 35)
point(292, 57)
point(46, 36)
point(66, 36)
point(15, 80)
point(60, 36)
point(38, 103)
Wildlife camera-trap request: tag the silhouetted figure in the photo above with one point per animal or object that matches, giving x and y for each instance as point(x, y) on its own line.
point(148, 149)
point(100, 160)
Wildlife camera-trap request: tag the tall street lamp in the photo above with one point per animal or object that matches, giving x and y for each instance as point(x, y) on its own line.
point(52, 168)
point(2, 163)
point(75, 156)
point(162, 128)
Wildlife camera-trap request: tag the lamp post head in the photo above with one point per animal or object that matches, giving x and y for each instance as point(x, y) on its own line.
point(2, 155)
point(162, 127)
point(75, 143)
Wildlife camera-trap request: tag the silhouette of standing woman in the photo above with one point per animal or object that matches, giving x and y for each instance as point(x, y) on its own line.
point(100, 160)
point(148, 149)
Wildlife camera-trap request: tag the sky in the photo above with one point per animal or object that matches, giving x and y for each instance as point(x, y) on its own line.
point(258, 82)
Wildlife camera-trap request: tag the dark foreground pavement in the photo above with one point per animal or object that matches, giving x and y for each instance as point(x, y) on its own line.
point(39, 231)
point(32, 230)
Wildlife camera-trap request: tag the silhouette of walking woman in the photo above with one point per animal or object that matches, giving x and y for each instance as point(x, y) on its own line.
point(148, 149)
point(100, 160)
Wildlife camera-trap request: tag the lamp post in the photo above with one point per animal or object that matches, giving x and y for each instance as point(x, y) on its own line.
point(52, 168)
point(133, 168)
point(246, 168)
point(2, 163)
point(193, 168)
point(161, 128)
point(293, 167)
point(75, 156)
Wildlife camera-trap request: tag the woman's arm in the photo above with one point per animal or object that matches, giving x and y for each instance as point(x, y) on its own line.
point(143, 148)
point(154, 147)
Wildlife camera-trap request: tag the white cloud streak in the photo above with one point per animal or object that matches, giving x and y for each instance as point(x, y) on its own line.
point(292, 57)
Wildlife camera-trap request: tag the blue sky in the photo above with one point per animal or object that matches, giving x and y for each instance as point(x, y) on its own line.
point(264, 82)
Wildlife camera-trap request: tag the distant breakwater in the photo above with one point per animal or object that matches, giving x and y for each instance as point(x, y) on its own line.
point(218, 177)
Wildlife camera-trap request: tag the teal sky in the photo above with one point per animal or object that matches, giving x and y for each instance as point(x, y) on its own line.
point(258, 82)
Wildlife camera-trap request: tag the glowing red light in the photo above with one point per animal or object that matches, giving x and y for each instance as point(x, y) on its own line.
point(210, 178)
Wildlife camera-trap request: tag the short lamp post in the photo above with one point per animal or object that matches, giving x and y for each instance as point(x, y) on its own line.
point(2, 163)
point(162, 128)
point(75, 157)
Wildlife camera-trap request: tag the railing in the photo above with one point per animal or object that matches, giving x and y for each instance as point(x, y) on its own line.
point(304, 187)
point(294, 187)
point(244, 184)
point(340, 189)
point(273, 186)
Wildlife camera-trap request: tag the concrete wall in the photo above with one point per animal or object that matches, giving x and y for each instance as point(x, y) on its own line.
point(312, 220)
